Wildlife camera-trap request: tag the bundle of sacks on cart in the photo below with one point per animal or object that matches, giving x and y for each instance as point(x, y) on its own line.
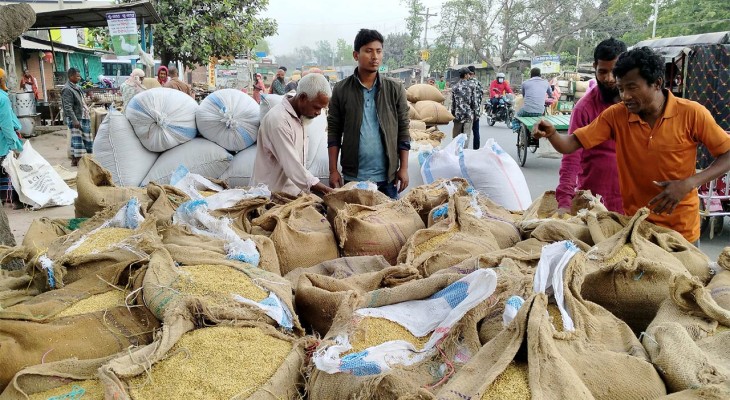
point(163, 128)
point(198, 291)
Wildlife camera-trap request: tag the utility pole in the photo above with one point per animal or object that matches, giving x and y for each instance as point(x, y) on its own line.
point(656, 15)
point(427, 15)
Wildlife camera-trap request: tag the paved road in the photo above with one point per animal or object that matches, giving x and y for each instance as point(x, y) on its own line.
point(542, 174)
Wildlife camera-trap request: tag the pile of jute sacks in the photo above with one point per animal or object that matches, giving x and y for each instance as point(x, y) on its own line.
point(193, 290)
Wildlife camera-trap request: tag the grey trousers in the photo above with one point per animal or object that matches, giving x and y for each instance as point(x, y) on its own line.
point(464, 127)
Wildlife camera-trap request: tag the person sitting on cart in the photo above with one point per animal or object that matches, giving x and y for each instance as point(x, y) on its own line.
point(656, 138)
point(594, 169)
point(533, 91)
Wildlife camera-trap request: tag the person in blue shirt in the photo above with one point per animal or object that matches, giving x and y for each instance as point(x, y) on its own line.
point(9, 141)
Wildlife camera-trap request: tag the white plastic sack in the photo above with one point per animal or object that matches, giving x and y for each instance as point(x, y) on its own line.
point(269, 101)
point(229, 118)
point(118, 149)
point(191, 184)
point(162, 118)
point(318, 161)
point(437, 314)
point(240, 170)
point(414, 170)
point(490, 170)
point(37, 183)
point(199, 156)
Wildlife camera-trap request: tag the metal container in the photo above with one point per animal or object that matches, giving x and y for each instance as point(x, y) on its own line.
point(28, 124)
point(25, 104)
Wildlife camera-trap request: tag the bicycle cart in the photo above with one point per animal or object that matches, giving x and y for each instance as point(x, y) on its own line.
point(524, 134)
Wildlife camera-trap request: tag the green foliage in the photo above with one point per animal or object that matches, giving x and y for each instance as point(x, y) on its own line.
point(192, 31)
point(414, 27)
point(324, 52)
point(344, 52)
point(98, 38)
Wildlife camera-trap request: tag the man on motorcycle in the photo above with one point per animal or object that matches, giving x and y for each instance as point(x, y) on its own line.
point(498, 88)
point(533, 90)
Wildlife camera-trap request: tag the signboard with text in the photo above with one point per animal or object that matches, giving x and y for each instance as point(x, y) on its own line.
point(548, 64)
point(123, 33)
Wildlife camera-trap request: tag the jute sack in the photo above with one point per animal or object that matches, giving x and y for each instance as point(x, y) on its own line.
point(185, 362)
point(422, 91)
point(633, 271)
point(373, 326)
point(719, 288)
point(92, 247)
point(417, 124)
point(66, 378)
point(432, 112)
point(301, 234)
point(412, 113)
point(43, 231)
point(15, 286)
point(689, 338)
point(97, 189)
point(425, 198)
point(318, 297)
point(353, 193)
point(381, 229)
point(720, 391)
point(341, 268)
point(559, 348)
point(107, 287)
point(451, 241)
point(181, 242)
point(242, 213)
point(216, 289)
point(87, 336)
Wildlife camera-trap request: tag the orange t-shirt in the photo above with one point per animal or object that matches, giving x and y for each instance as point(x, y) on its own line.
point(663, 153)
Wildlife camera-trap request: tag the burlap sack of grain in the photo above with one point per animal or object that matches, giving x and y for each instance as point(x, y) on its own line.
point(425, 198)
point(318, 297)
point(181, 242)
point(242, 213)
point(15, 19)
point(97, 190)
point(86, 250)
point(422, 91)
point(352, 194)
point(383, 229)
point(107, 287)
point(456, 238)
point(16, 286)
point(412, 113)
point(86, 336)
point(301, 233)
point(634, 268)
point(688, 341)
point(539, 356)
point(216, 289)
point(433, 113)
point(719, 288)
point(67, 379)
point(417, 125)
point(417, 381)
point(43, 231)
point(341, 268)
point(164, 201)
point(242, 360)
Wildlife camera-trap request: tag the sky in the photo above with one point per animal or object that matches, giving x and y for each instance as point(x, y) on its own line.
point(303, 23)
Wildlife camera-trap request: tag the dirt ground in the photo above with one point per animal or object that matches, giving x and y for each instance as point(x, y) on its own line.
point(52, 146)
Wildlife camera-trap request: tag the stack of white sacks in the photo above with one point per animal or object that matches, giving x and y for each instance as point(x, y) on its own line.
point(162, 129)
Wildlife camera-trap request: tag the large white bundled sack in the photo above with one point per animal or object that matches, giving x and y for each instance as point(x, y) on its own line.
point(317, 155)
point(200, 156)
point(119, 150)
point(162, 118)
point(269, 101)
point(36, 182)
point(229, 118)
point(240, 171)
point(490, 170)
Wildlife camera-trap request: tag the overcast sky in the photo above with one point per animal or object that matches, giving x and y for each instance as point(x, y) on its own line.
point(303, 22)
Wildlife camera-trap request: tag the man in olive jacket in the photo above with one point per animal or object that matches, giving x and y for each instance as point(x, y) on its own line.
point(368, 121)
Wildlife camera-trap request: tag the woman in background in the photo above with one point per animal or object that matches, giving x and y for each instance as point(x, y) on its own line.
point(132, 86)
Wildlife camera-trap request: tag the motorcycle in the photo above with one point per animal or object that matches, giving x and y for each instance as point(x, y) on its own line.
point(502, 112)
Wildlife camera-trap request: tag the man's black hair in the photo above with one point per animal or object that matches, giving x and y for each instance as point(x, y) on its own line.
point(535, 72)
point(282, 68)
point(608, 50)
point(366, 36)
point(649, 64)
point(464, 72)
point(472, 69)
point(72, 71)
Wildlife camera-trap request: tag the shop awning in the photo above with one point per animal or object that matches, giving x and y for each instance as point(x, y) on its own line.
point(93, 17)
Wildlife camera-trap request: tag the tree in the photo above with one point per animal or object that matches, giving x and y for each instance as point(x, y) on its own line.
point(395, 49)
point(262, 46)
point(193, 31)
point(324, 52)
point(344, 52)
point(414, 27)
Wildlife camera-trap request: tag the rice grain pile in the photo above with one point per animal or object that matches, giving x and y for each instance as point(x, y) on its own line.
point(512, 384)
point(555, 316)
point(98, 302)
point(101, 240)
point(213, 363)
point(84, 390)
point(436, 241)
point(372, 331)
point(217, 284)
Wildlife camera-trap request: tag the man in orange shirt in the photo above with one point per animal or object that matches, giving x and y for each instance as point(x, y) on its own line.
point(656, 138)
